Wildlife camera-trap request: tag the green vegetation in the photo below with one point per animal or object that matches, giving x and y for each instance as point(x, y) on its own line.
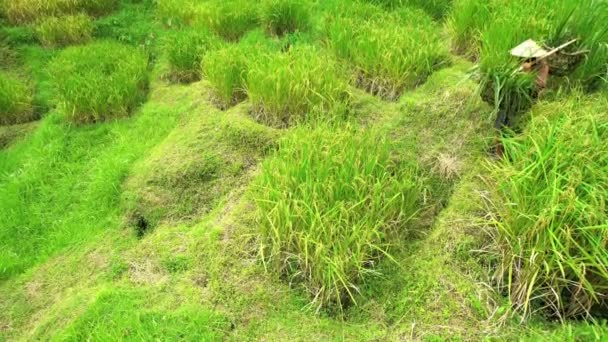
point(226, 69)
point(185, 50)
point(192, 179)
point(550, 213)
point(229, 19)
point(389, 55)
point(83, 173)
point(469, 19)
point(100, 81)
point(551, 23)
point(438, 9)
point(66, 30)
point(286, 88)
point(299, 170)
point(25, 11)
point(321, 227)
point(124, 313)
point(15, 100)
point(280, 17)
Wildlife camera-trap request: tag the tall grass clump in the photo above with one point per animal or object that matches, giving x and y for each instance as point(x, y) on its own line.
point(65, 30)
point(99, 81)
point(280, 17)
point(438, 9)
point(586, 21)
point(551, 220)
point(184, 50)
point(331, 204)
point(15, 100)
point(27, 11)
point(226, 69)
point(467, 22)
point(286, 88)
point(390, 53)
point(229, 19)
point(177, 13)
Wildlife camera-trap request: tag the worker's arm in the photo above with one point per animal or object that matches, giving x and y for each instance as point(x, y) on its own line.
point(543, 74)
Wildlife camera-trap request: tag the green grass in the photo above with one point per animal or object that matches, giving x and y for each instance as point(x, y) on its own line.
point(226, 69)
point(26, 11)
point(180, 182)
point(280, 17)
point(100, 81)
point(15, 100)
point(331, 203)
point(65, 30)
point(287, 88)
point(61, 186)
point(230, 19)
point(468, 20)
point(185, 50)
point(177, 13)
point(550, 23)
point(132, 24)
point(438, 9)
point(128, 314)
point(389, 53)
point(551, 211)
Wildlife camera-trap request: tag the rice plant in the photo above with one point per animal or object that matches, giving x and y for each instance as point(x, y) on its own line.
point(585, 21)
point(26, 11)
point(331, 203)
point(184, 50)
point(437, 9)
point(65, 30)
point(229, 19)
point(550, 213)
point(468, 20)
point(15, 100)
point(99, 81)
point(226, 70)
point(177, 13)
point(280, 17)
point(390, 53)
point(287, 88)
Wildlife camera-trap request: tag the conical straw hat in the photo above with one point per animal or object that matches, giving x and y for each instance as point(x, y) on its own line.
point(528, 49)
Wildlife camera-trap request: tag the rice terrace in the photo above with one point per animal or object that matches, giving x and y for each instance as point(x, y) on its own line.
point(303, 170)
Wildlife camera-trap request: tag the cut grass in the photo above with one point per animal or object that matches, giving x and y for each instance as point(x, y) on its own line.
point(65, 30)
point(551, 219)
point(390, 53)
point(126, 313)
point(180, 181)
point(280, 17)
point(185, 50)
point(287, 88)
point(61, 186)
point(100, 81)
point(331, 203)
point(15, 100)
point(26, 11)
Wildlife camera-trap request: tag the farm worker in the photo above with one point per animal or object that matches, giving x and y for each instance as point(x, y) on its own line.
point(534, 61)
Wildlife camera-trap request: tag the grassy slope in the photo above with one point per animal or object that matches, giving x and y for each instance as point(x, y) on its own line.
point(204, 279)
